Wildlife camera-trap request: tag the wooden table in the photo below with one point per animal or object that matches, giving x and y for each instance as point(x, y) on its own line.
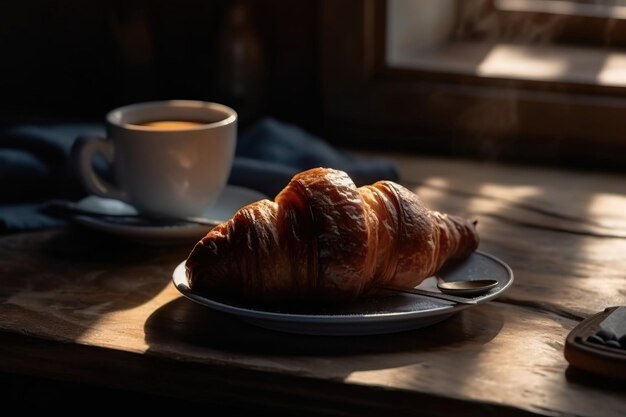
point(89, 309)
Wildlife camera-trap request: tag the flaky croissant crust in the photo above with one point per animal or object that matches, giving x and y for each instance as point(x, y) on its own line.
point(324, 238)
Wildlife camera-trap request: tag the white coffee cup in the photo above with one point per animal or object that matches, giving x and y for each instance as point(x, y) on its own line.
point(170, 158)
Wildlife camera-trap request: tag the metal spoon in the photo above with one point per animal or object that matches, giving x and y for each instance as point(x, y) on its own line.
point(466, 288)
point(457, 291)
point(432, 294)
point(62, 208)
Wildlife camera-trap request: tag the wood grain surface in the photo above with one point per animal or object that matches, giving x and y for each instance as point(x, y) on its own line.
point(84, 307)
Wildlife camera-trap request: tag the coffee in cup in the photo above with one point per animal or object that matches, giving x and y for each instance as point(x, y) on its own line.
point(170, 158)
point(171, 124)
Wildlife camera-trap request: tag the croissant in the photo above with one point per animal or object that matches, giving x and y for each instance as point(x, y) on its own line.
point(325, 239)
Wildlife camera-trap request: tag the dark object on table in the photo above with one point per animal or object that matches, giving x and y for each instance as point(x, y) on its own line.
point(598, 344)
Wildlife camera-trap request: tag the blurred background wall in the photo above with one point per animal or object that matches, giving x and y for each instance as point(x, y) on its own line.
point(70, 59)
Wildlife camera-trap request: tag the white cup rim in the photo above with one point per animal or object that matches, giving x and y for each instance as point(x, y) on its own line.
point(114, 117)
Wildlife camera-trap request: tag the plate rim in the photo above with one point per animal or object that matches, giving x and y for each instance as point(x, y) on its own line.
point(180, 281)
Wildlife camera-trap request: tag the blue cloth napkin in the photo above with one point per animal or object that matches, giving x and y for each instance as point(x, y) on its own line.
point(35, 165)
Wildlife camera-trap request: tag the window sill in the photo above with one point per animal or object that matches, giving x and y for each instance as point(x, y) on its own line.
point(564, 64)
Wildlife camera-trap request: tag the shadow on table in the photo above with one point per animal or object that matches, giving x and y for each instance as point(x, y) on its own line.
point(190, 329)
point(583, 378)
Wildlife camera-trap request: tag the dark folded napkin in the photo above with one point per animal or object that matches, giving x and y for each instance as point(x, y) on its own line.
point(270, 153)
point(35, 165)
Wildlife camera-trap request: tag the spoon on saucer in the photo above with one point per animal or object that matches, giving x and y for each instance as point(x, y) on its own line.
point(466, 288)
point(119, 214)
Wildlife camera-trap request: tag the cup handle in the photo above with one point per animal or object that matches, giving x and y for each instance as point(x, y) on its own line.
point(85, 149)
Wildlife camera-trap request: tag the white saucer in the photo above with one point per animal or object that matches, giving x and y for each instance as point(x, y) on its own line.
point(231, 200)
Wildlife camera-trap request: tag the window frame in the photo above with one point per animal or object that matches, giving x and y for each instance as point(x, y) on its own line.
point(368, 104)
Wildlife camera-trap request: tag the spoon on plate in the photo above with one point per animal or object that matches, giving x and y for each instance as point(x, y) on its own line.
point(466, 288)
point(457, 291)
